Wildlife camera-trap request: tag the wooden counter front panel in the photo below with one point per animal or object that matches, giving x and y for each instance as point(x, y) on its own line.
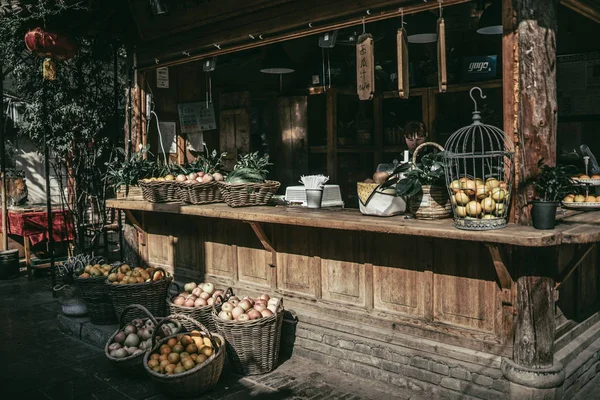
point(442, 289)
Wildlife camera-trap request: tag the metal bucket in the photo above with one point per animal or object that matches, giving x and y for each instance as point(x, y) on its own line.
point(9, 264)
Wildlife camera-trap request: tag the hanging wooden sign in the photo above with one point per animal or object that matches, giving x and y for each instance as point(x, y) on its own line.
point(441, 53)
point(365, 67)
point(403, 79)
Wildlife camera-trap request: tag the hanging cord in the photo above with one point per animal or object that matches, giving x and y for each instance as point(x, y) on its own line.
point(440, 5)
point(159, 132)
point(323, 59)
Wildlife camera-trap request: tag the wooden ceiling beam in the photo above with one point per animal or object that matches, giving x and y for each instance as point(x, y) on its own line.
point(586, 8)
point(291, 23)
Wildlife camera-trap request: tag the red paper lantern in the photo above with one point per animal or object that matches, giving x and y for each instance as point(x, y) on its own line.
point(51, 45)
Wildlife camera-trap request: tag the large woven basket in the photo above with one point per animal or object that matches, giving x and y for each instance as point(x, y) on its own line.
point(197, 380)
point(151, 295)
point(199, 193)
point(130, 193)
point(96, 296)
point(159, 191)
point(248, 194)
point(252, 346)
point(132, 364)
point(433, 202)
point(200, 314)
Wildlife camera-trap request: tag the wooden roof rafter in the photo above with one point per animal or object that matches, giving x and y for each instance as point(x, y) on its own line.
point(587, 8)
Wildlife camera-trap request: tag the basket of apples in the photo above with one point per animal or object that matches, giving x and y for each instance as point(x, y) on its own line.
point(196, 301)
point(199, 187)
point(252, 330)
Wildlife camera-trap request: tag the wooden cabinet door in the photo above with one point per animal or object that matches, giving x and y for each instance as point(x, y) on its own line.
point(234, 134)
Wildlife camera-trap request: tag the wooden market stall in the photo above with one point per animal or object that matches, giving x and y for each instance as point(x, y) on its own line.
point(493, 314)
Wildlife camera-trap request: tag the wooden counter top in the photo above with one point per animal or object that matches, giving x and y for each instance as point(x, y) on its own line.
point(575, 227)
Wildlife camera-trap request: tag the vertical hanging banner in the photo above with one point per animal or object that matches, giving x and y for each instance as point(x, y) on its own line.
point(365, 67)
point(403, 79)
point(441, 53)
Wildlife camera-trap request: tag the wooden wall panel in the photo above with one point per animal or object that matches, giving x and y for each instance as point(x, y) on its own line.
point(188, 249)
point(159, 243)
point(219, 252)
point(342, 277)
point(402, 275)
point(252, 259)
point(465, 289)
point(234, 134)
point(291, 155)
point(588, 284)
point(297, 267)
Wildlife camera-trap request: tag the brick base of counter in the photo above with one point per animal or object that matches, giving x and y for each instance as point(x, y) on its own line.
point(429, 375)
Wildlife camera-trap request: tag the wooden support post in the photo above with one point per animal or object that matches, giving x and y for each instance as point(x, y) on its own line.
point(504, 278)
point(538, 110)
point(532, 371)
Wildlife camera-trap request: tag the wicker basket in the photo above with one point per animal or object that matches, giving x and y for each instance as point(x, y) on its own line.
point(252, 346)
point(433, 202)
point(199, 193)
point(151, 295)
point(200, 314)
point(248, 194)
point(96, 296)
point(159, 191)
point(197, 380)
point(132, 364)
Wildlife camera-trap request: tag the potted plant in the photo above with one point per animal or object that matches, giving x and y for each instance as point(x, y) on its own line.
point(123, 174)
point(551, 185)
point(424, 185)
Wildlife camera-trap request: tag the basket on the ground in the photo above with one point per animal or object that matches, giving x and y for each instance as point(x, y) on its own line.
point(248, 194)
point(199, 193)
point(433, 202)
point(151, 294)
point(133, 363)
point(159, 191)
point(197, 380)
point(201, 314)
point(252, 346)
point(96, 296)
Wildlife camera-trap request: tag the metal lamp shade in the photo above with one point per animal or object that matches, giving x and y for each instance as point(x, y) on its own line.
point(490, 22)
point(421, 28)
point(277, 62)
point(157, 7)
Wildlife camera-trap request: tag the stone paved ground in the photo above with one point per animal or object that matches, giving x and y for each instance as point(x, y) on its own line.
point(39, 362)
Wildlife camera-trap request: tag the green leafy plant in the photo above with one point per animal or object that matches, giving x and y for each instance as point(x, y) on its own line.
point(553, 183)
point(250, 168)
point(209, 163)
point(429, 172)
point(122, 171)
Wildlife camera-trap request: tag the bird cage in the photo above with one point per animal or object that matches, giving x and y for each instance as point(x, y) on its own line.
point(479, 166)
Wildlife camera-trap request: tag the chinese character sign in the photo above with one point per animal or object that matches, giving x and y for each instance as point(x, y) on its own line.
point(365, 67)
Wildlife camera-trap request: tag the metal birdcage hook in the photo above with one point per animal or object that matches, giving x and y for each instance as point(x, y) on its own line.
point(480, 94)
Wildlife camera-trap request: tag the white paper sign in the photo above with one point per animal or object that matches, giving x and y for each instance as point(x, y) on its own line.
point(162, 77)
point(168, 132)
point(196, 117)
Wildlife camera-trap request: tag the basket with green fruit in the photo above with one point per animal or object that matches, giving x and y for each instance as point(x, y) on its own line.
point(247, 185)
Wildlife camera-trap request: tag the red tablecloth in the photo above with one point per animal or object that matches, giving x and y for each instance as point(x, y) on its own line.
point(34, 225)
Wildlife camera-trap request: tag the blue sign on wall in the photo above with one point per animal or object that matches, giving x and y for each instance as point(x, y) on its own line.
point(478, 68)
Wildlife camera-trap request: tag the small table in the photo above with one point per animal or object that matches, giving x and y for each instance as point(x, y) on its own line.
point(32, 224)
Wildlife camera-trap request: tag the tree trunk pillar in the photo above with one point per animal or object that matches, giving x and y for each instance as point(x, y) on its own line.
point(532, 372)
point(538, 111)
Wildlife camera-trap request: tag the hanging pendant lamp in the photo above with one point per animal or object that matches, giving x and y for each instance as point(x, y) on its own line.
point(421, 28)
point(490, 22)
point(277, 61)
point(157, 7)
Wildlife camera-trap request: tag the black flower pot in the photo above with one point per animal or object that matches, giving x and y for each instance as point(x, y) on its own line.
point(543, 214)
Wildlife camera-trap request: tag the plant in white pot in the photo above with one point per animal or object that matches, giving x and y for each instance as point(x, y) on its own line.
point(551, 185)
